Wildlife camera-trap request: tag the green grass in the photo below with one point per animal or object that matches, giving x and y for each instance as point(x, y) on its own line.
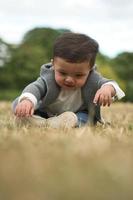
point(85, 163)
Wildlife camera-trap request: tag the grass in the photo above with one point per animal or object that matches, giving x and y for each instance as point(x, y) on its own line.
point(84, 163)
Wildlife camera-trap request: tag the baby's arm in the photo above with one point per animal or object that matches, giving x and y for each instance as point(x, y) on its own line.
point(36, 89)
point(30, 97)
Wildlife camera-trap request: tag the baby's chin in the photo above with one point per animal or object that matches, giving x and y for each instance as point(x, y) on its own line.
point(69, 87)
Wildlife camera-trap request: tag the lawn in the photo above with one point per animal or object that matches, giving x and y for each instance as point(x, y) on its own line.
point(88, 163)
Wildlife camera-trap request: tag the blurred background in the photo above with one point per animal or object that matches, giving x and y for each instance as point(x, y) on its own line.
point(28, 29)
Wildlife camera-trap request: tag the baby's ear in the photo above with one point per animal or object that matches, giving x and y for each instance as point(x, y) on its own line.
point(52, 61)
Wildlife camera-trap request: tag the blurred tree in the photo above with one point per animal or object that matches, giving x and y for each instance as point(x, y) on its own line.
point(123, 66)
point(105, 68)
point(34, 50)
point(4, 52)
point(44, 38)
point(6, 79)
point(102, 59)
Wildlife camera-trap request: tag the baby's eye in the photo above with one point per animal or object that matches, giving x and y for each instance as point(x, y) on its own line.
point(79, 75)
point(63, 73)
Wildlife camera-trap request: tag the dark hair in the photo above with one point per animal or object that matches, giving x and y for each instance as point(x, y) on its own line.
point(76, 48)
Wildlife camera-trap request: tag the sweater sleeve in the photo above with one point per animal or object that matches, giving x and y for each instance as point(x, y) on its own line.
point(37, 88)
point(101, 81)
point(97, 80)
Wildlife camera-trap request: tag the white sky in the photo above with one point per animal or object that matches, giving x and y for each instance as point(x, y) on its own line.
point(110, 22)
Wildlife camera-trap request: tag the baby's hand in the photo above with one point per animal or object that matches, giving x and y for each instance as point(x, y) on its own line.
point(104, 95)
point(25, 108)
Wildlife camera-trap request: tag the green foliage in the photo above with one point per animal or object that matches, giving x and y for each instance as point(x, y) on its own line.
point(102, 59)
point(44, 38)
point(129, 91)
point(123, 66)
point(6, 78)
point(25, 64)
point(105, 68)
point(8, 94)
point(27, 57)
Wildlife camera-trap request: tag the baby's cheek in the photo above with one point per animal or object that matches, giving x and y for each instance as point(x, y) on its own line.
point(80, 83)
point(58, 78)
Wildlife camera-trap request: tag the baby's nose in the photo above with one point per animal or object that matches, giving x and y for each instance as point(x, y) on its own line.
point(69, 79)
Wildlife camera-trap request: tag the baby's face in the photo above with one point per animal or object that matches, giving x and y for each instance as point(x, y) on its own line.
point(70, 75)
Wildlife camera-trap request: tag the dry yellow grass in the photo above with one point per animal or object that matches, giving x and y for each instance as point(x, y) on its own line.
point(85, 163)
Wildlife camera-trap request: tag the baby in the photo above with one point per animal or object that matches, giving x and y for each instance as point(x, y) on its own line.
point(69, 90)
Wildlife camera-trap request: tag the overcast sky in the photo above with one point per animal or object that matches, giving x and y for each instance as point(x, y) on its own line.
point(110, 22)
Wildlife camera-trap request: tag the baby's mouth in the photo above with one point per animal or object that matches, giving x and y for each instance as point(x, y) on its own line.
point(70, 86)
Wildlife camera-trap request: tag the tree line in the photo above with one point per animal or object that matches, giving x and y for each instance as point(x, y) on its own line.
point(20, 64)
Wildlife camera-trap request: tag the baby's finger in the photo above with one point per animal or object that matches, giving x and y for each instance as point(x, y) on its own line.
point(32, 111)
point(27, 112)
point(18, 111)
point(109, 101)
point(105, 101)
point(96, 98)
point(101, 100)
point(22, 112)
